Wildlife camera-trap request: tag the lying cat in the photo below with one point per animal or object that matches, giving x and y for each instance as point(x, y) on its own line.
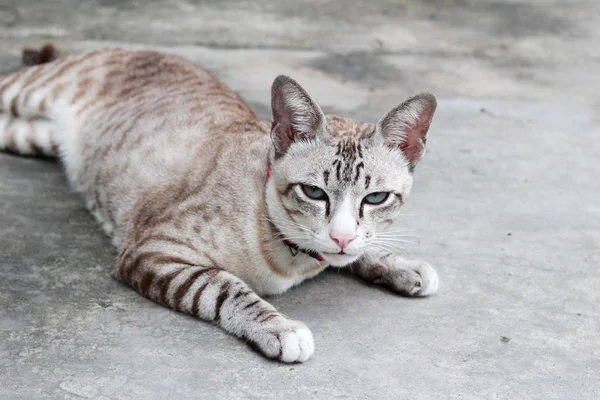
point(208, 206)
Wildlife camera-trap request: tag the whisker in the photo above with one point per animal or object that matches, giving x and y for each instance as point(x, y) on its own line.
point(288, 239)
point(388, 250)
point(398, 231)
point(390, 245)
point(393, 244)
point(394, 240)
point(395, 236)
point(387, 244)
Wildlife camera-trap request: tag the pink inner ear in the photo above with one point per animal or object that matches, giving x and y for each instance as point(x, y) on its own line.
point(282, 132)
point(415, 138)
point(406, 126)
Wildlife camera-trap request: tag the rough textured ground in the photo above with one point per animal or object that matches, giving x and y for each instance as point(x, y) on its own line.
point(506, 206)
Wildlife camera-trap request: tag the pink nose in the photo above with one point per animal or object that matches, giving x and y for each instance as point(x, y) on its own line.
point(342, 239)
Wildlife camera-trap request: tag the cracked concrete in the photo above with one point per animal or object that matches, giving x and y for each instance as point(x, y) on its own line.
point(506, 205)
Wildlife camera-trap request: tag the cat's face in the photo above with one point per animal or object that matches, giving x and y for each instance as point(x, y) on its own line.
point(335, 181)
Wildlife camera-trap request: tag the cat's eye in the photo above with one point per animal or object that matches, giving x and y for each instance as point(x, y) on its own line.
point(314, 192)
point(376, 198)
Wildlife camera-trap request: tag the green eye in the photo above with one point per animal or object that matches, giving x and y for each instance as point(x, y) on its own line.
point(314, 192)
point(376, 198)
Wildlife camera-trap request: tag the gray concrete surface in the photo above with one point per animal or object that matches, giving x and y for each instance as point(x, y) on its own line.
point(506, 206)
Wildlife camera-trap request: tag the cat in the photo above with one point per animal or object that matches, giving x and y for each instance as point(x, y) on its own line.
point(209, 207)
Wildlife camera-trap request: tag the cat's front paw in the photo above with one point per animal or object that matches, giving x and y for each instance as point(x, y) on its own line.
point(429, 280)
point(411, 278)
point(284, 339)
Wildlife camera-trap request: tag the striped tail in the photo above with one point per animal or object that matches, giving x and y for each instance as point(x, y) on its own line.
point(46, 54)
point(26, 126)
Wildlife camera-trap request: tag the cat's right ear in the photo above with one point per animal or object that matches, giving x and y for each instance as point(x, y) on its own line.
point(295, 115)
point(405, 127)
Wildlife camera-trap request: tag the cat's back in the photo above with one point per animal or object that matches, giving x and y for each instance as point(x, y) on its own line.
point(141, 121)
point(165, 84)
point(150, 109)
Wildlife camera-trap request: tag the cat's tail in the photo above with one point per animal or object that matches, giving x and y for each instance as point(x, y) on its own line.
point(27, 113)
point(47, 53)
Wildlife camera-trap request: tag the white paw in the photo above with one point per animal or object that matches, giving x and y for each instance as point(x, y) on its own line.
point(297, 345)
point(429, 280)
point(286, 340)
point(410, 278)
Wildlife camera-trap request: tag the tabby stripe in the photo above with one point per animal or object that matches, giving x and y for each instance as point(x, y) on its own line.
point(241, 293)
point(10, 146)
point(269, 317)
point(82, 89)
point(13, 107)
point(35, 149)
point(138, 96)
point(133, 121)
point(251, 304)
point(145, 282)
point(152, 257)
point(112, 126)
point(105, 106)
point(129, 90)
point(185, 287)
point(287, 189)
point(195, 303)
point(164, 238)
point(33, 75)
point(358, 167)
point(8, 82)
point(163, 284)
point(134, 116)
point(151, 221)
point(49, 79)
point(260, 314)
point(290, 212)
point(223, 295)
point(57, 90)
point(83, 72)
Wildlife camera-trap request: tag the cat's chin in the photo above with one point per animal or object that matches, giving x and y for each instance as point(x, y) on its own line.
point(340, 260)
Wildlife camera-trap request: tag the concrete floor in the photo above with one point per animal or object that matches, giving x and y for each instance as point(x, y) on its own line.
point(506, 205)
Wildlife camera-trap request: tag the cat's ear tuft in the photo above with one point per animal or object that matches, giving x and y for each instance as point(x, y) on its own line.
point(405, 127)
point(295, 115)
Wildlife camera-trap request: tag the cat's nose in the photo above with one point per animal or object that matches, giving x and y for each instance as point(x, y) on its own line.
point(342, 238)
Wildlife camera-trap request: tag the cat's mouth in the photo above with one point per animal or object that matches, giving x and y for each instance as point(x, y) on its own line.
point(340, 253)
point(340, 259)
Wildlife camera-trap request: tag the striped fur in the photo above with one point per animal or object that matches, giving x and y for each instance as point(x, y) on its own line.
point(173, 165)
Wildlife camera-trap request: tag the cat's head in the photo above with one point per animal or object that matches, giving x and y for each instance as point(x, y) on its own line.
point(335, 180)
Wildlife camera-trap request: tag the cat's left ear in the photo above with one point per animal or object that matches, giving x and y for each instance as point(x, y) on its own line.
point(295, 115)
point(405, 127)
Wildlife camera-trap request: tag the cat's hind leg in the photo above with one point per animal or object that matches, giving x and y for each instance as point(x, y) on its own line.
point(27, 126)
point(28, 137)
point(412, 278)
point(181, 281)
